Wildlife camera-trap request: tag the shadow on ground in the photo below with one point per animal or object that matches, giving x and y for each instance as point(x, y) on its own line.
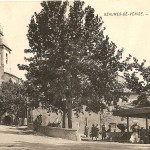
point(77, 146)
point(42, 143)
point(19, 131)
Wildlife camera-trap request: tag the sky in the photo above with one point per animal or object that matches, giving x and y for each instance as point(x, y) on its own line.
point(129, 30)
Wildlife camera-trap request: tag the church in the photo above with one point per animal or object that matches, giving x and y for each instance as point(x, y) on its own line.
point(5, 61)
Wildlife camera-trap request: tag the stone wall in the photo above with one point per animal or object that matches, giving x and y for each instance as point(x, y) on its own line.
point(78, 123)
point(69, 134)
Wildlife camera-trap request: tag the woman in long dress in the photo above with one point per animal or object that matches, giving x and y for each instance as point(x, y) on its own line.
point(135, 135)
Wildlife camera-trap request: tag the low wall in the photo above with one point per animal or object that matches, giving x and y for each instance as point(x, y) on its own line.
point(30, 126)
point(64, 133)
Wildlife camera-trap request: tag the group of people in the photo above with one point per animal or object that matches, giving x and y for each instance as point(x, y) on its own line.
point(95, 131)
point(10, 119)
point(105, 133)
point(138, 134)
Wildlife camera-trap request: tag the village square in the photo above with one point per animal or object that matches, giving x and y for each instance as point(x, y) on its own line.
point(66, 83)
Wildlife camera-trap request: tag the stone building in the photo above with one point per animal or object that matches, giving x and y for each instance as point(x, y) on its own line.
point(86, 118)
point(5, 61)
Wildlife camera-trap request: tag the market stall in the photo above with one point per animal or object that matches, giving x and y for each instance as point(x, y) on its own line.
point(143, 112)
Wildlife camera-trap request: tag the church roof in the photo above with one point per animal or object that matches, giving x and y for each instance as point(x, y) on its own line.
point(12, 75)
point(3, 41)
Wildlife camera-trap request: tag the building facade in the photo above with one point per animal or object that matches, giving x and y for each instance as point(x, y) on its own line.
point(5, 61)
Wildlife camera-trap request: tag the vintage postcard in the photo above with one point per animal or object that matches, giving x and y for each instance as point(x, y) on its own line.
point(75, 75)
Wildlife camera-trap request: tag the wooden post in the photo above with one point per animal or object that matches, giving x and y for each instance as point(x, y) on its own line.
point(127, 127)
point(146, 125)
point(100, 120)
point(147, 135)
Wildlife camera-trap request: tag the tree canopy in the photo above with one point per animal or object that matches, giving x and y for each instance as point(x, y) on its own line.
point(138, 81)
point(73, 63)
point(13, 98)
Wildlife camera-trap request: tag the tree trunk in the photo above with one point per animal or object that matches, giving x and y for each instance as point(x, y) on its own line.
point(64, 119)
point(70, 118)
point(69, 113)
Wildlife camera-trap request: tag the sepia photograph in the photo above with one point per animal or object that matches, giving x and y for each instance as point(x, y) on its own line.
point(74, 75)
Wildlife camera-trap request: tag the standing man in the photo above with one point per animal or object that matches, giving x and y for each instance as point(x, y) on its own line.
point(86, 131)
point(103, 132)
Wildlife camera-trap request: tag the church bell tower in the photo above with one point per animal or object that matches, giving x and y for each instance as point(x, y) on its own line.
point(5, 53)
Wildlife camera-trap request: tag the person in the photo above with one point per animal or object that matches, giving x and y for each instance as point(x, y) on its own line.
point(108, 132)
point(8, 120)
point(97, 131)
point(86, 131)
point(103, 131)
point(93, 131)
point(142, 135)
point(40, 120)
point(25, 122)
point(13, 119)
point(37, 122)
point(135, 132)
point(20, 121)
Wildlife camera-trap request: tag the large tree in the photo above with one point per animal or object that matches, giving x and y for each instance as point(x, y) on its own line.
point(72, 62)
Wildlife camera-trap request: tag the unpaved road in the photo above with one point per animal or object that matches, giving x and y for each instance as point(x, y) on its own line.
point(12, 138)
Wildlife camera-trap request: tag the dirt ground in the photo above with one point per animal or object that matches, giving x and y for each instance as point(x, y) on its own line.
point(13, 138)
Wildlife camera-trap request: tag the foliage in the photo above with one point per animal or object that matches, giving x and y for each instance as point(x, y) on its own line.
point(72, 62)
point(138, 80)
point(13, 98)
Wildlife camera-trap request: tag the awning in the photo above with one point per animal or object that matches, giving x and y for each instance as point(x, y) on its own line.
point(143, 112)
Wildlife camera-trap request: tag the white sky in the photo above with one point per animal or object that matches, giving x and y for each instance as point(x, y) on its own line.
point(129, 32)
